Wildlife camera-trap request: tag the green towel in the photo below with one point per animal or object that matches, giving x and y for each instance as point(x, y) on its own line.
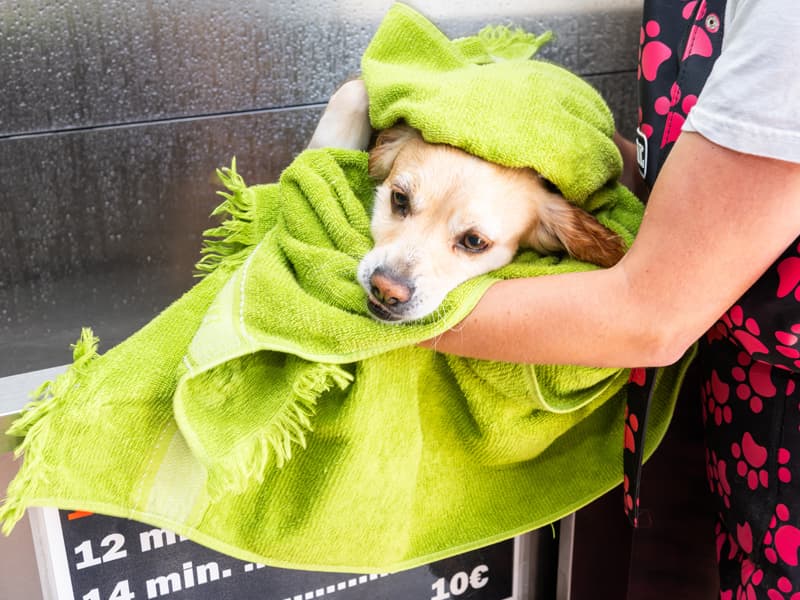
point(518, 113)
point(265, 413)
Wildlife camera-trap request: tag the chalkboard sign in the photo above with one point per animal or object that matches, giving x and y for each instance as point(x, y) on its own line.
point(87, 556)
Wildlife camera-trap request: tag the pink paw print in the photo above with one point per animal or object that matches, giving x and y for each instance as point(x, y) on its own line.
point(652, 53)
point(715, 394)
point(626, 484)
point(750, 577)
point(645, 128)
point(631, 426)
point(755, 381)
point(638, 376)
point(744, 330)
point(783, 591)
point(782, 539)
point(717, 472)
point(688, 9)
point(675, 118)
point(706, 25)
point(787, 341)
point(784, 473)
point(751, 459)
point(717, 332)
point(789, 276)
point(744, 535)
point(722, 537)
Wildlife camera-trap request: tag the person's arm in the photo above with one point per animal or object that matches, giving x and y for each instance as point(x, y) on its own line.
point(716, 219)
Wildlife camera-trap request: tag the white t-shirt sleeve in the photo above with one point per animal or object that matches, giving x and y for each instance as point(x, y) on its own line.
point(751, 101)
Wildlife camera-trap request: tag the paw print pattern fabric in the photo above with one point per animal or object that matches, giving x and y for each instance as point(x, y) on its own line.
point(751, 361)
point(678, 44)
point(750, 358)
point(679, 41)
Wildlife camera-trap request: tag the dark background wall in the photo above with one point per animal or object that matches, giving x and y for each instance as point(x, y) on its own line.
point(114, 116)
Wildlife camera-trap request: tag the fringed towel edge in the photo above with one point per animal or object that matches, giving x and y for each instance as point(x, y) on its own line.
point(32, 425)
point(228, 242)
point(496, 43)
point(275, 441)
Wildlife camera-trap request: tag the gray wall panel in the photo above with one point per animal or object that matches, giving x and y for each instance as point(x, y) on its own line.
point(79, 63)
point(608, 41)
point(106, 195)
point(106, 230)
point(621, 92)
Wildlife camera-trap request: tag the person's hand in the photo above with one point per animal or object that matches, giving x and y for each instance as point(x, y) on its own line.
point(345, 122)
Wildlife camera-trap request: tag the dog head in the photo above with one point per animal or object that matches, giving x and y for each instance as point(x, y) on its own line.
point(442, 216)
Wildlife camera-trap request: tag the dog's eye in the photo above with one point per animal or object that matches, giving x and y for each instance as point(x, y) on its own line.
point(400, 203)
point(474, 242)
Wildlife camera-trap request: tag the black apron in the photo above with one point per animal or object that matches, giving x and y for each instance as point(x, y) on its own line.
point(678, 44)
point(749, 360)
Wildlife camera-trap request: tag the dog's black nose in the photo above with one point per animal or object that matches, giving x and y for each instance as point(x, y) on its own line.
point(390, 290)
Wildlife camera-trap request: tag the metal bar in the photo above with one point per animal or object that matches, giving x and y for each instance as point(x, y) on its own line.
point(566, 542)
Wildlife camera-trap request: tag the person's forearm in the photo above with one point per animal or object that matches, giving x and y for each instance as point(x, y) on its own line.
point(583, 318)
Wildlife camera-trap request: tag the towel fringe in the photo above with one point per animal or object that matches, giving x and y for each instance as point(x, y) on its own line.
point(227, 242)
point(504, 43)
point(498, 43)
point(275, 442)
point(32, 426)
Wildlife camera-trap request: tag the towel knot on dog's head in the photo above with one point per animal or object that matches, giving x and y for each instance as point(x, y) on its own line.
point(484, 95)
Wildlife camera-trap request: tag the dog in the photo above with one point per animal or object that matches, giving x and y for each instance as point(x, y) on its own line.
point(442, 216)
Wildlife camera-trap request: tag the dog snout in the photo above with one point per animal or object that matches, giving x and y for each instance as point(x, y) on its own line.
point(390, 289)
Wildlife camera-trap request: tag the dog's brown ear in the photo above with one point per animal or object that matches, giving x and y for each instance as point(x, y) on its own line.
point(387, 146)
point(563, 226)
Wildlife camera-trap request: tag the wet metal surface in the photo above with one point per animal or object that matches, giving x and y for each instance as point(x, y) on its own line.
point(80, 63)
point(105, 232)
point(114, 116)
